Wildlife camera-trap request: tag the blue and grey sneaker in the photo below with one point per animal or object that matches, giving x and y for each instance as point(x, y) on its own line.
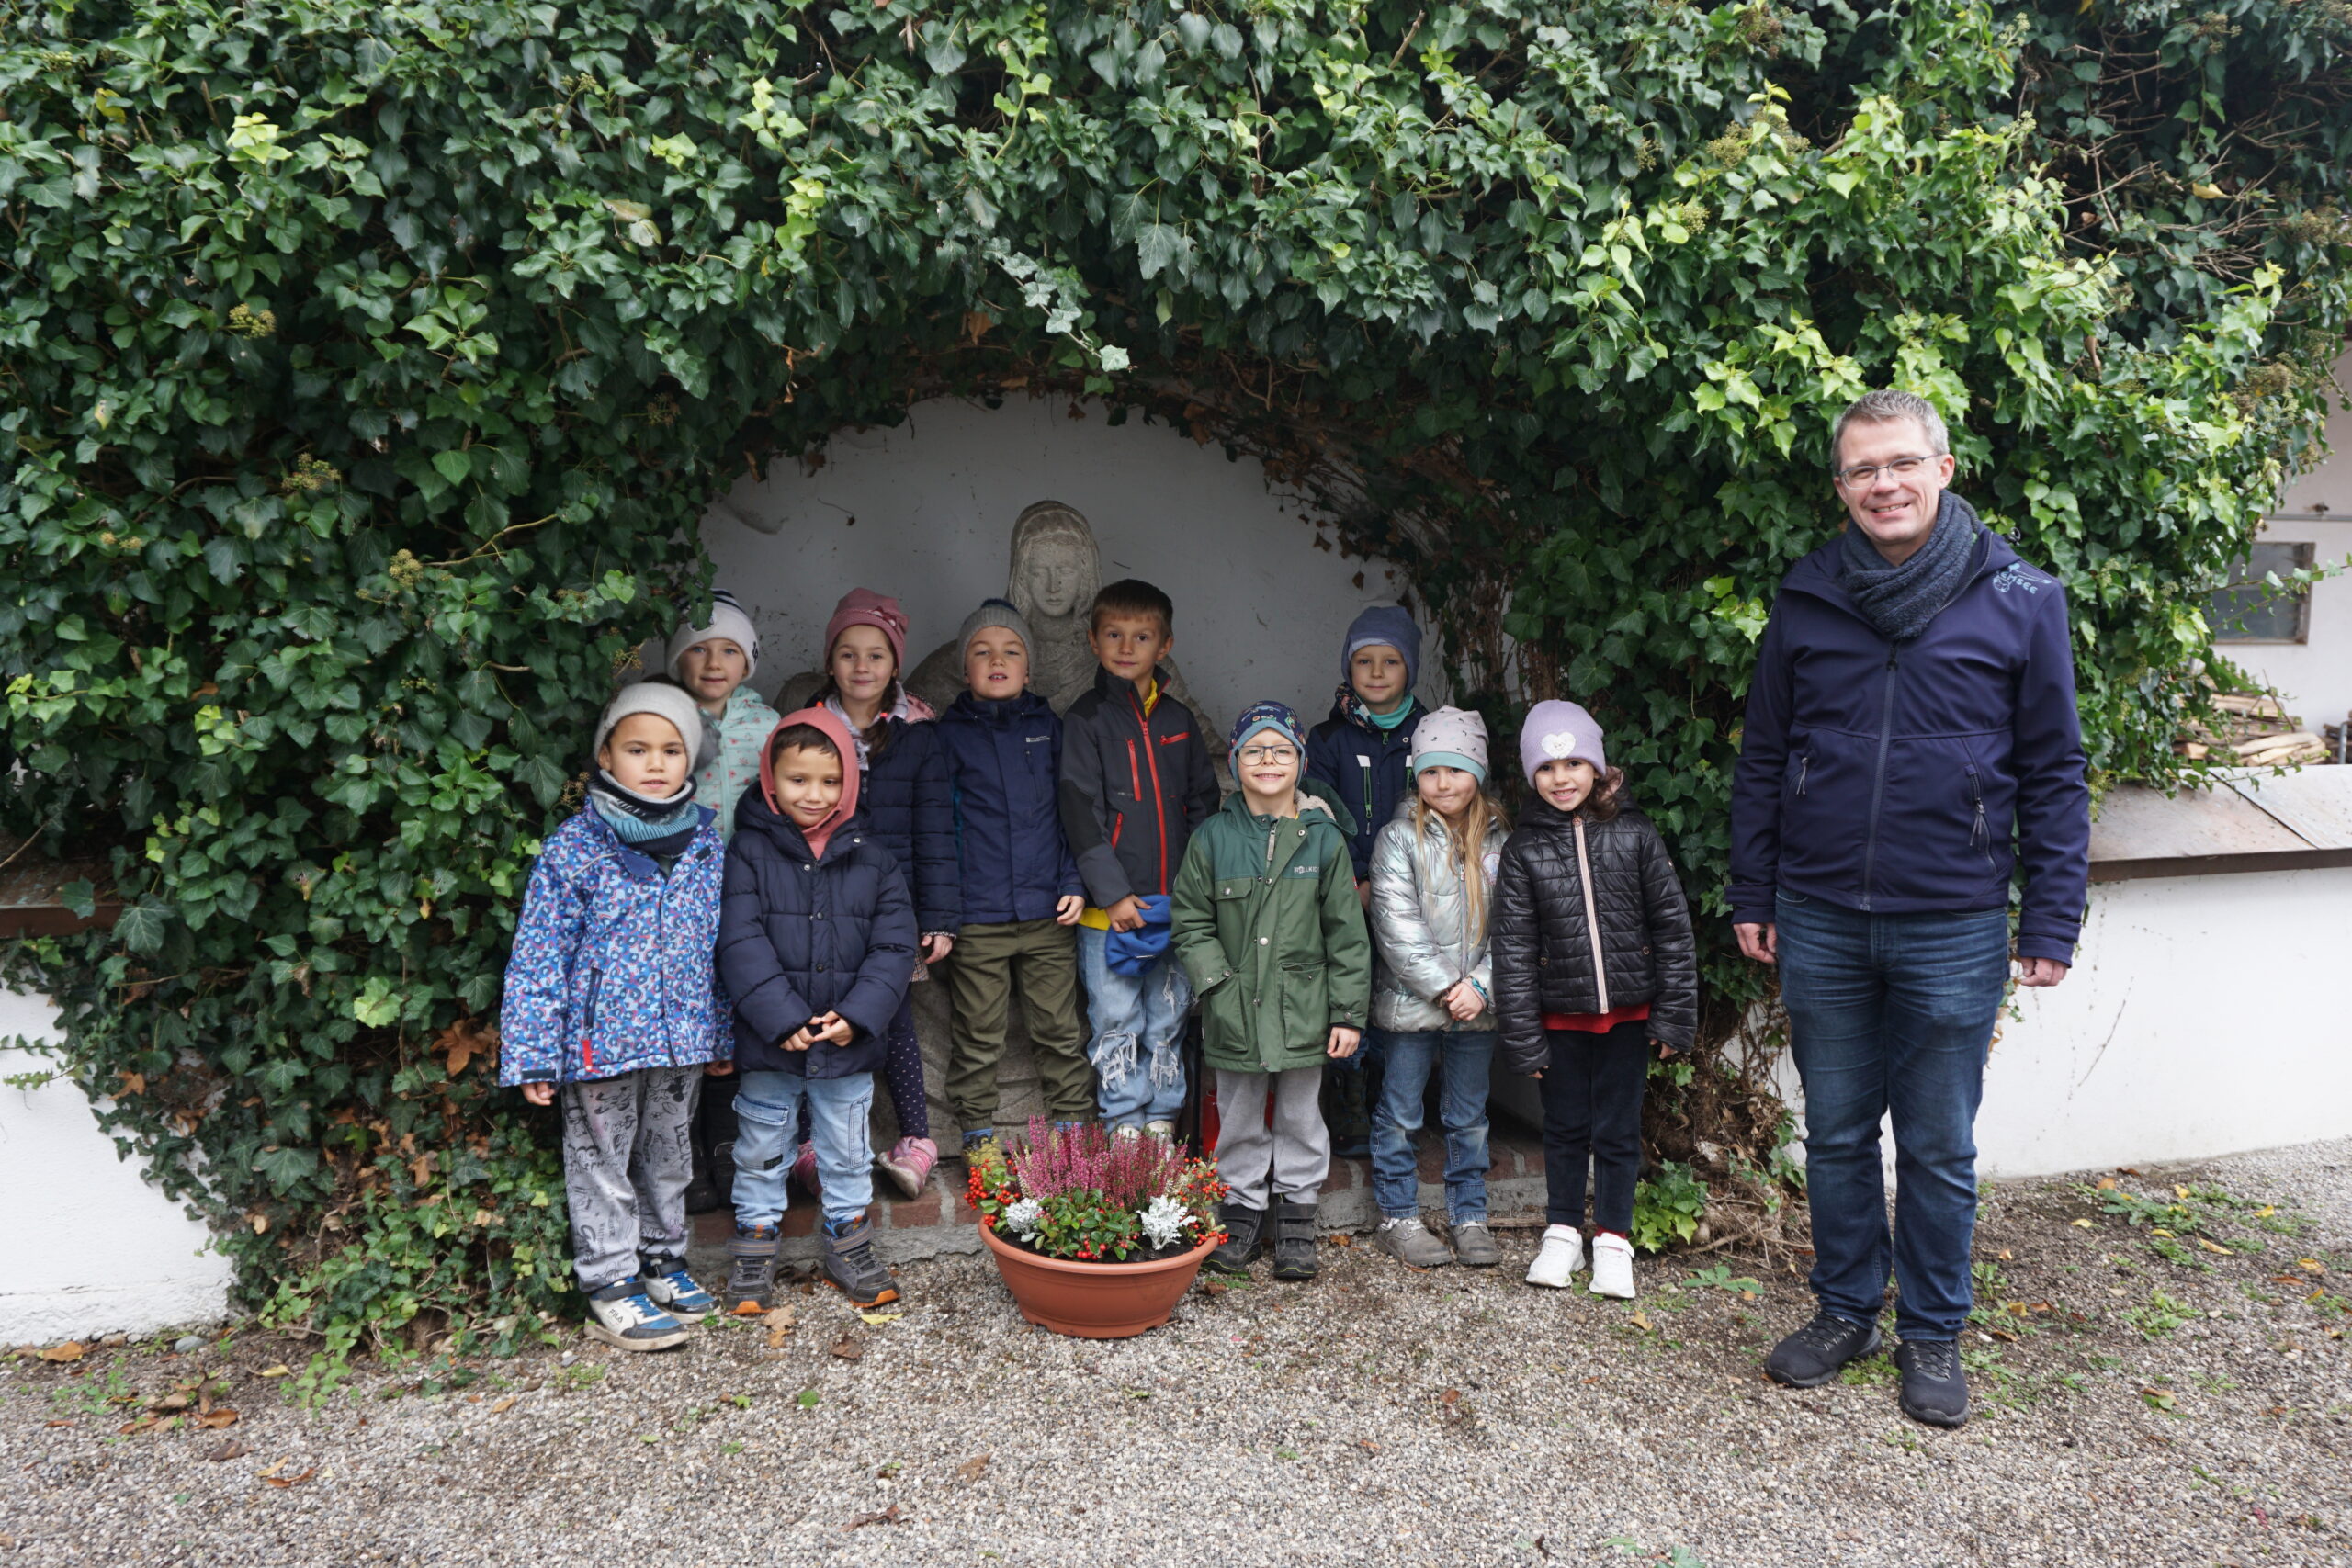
point(667, 1284)
point(623, 1316)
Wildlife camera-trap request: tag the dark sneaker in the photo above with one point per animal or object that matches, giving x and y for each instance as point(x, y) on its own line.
point(1819, 1350)
point(851, 1268)
point(1473, 1246)
point(1934, 1388)
point(1295, 1241)
point(1245, 1238)
point(751, 1278)
point(621, 1315)
point(670, 1288)
point(1409, 1242)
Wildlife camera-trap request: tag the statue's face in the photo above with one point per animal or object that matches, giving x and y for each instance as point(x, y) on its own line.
point(1053, 578)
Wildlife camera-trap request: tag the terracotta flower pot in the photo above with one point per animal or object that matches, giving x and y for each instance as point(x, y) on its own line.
point(1094, 1301)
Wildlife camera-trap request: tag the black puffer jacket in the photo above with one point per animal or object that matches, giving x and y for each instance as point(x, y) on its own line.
point(1545, 946)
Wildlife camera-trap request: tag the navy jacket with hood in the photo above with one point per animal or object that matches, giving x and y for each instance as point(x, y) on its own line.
point(1004, 762)
point(1367, 768)
point(802, 935)
point(907, 808)
point(1905, 778)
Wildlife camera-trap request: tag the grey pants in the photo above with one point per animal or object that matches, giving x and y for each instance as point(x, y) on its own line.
point(1295, 1152)
point(627, 1153)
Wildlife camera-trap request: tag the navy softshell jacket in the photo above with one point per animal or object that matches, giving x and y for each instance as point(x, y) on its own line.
point(1909, 778)
point(1004, 763)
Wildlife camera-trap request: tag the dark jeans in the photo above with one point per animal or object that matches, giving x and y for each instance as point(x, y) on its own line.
point(1461, 1059)
point(1892, 1015)
point(1592, 1110)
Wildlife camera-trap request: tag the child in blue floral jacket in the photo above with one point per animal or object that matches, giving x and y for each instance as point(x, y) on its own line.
point(612, 1007)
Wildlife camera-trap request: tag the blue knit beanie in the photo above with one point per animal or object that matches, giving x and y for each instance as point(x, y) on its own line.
point(1384, 626)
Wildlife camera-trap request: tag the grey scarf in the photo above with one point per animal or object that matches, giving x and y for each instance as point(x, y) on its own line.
point(1901, 600)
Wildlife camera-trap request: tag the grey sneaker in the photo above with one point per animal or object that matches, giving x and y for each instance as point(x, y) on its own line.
point(1473, 1246)
point(851, 1268)
point(1409, 1242)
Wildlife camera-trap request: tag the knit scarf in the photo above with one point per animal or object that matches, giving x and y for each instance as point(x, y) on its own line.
point(1901, 600)
point(1379, 723)
point(662, 829)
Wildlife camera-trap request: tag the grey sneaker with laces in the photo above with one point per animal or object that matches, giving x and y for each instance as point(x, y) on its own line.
point(1411, 1243)
point(1473, 1246)
point(1934, 1388)
point(1819, 1350)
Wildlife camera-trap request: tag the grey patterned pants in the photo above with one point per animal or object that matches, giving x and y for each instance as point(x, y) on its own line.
point(627, 1153)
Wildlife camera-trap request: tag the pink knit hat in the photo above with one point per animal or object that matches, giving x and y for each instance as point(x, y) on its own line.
point(864, 607)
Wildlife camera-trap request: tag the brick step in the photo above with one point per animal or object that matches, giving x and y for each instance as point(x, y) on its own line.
point(941, 1222)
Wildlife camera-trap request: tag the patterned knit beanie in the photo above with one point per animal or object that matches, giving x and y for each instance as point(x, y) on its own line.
point(1276, 716)
point(727, 620)
point(1450, 737)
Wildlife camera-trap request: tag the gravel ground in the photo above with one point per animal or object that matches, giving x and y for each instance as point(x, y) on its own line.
point(2135, 1408)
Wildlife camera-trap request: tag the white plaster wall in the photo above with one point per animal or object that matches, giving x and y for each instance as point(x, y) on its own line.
point(2189, 1028)
point(2316, 676)
point(925, 512)
point(92, 1248)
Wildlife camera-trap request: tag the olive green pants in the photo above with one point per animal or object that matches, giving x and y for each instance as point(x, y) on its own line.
point(1041, 958)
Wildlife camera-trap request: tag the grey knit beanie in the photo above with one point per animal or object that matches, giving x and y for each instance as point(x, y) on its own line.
point(727, 620)
point(993, 613)
point(1450, 737)
point(1559, 732)
point(664, 700)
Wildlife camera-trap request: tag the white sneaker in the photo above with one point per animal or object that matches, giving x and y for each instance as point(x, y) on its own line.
point(1164, 1131)
point(1561, 1257)
point(1612, 1267)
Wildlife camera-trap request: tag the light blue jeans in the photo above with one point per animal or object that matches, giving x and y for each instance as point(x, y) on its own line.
point(767, 1109)
point(1138, 1027)
point(1461, 1059)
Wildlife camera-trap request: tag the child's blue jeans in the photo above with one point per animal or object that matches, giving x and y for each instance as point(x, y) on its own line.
point(1138, 1027)
point(1461, 1059)
point(767, 1109)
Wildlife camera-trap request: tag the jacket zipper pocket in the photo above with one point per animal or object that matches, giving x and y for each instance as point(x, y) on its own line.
point(588, 1020)
point(1591, 919)
point(1980, 836)
point(1135, 773)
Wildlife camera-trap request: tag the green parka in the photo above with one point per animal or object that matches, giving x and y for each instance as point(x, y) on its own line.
point(1266, 922)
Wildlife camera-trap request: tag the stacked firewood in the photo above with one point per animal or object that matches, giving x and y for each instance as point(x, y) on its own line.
point(2254, 731)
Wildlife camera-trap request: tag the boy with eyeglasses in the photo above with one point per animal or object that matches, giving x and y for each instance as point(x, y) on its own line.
point(1268, 925)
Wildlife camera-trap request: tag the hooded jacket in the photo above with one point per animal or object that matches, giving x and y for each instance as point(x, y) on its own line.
point(1366, 768)
point(1133, 787)
point(1589, 917)
point(1004, 769)
point(911, 812)
point(1911, 778)
point(812, 922)
point(1420, 924)
point(1270, 934)
point(611, 968)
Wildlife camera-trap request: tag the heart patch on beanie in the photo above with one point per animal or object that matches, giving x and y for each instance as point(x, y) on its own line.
point(1560, 744)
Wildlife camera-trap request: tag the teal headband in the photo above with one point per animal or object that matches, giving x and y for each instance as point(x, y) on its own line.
point(1450, 760)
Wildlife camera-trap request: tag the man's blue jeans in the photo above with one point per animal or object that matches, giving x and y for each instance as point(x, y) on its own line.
point(1138, 1028)
point(767, 1109)
point(1892, 1013)
point(1461, 1060)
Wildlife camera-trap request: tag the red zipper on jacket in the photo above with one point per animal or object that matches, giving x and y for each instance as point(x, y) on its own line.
point(1158, 802)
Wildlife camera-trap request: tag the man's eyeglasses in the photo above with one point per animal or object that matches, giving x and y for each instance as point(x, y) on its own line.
point(1256, 756)
point(1862, 475)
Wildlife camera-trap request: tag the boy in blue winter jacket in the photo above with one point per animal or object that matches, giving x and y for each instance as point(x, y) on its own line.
point(816, 944)
point(1021, 891)
point(610, 1006)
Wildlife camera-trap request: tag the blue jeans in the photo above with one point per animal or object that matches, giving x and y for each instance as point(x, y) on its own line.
point(1891, 1014)
point(1138, 1027)
point(767, 1109)
point(1461, 1060)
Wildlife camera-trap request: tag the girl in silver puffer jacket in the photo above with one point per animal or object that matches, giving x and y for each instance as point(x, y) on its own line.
point(1432, 884)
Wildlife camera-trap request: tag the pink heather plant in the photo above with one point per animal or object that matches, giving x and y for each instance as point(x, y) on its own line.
point(1126, 1173)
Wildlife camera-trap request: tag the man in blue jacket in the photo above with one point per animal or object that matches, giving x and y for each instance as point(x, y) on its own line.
point(1911, 738)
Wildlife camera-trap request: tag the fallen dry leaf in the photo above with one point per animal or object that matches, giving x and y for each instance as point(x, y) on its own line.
point(2086, 1224)
point(284, 1481)
point(784, 1316)
point(889, 1516)
point(2212, 1246)
point(72, 1350)
point(1451, 1397)
point(1341, 1239)
point(777, 1337)
point(216, 1419)
point(226, 1450)
point(878, 1318)
point(849, 1347)
point(503, 1405)
point(1641, 1319)
point(277, 1372)
point(2106, 1184)
point(139, 1425)
point(1214, 1287)
point(57, 1423)
point(1367, 1445)
point(972, 1469)
point(2313, 1264)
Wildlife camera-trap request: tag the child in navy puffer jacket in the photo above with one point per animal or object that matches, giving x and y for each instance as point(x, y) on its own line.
point(816, 944)
point(610, 1006)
